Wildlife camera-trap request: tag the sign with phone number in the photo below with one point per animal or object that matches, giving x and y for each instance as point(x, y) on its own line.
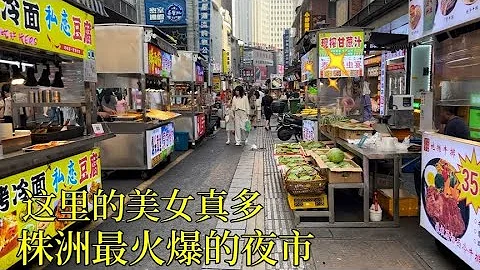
point(76, 173)
point(450, 195)
point(53, 26)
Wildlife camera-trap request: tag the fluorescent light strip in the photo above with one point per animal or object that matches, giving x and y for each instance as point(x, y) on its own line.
point(16, 63)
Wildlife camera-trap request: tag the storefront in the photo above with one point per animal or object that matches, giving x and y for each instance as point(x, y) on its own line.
point(189, 96)
point(60, 158)
point(449, 39)
point(137, 72)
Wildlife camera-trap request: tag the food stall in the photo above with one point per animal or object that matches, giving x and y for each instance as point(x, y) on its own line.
point(445, 72)
point(66, 159)
point(346, 145)
point(139, 68)
point(189, 94)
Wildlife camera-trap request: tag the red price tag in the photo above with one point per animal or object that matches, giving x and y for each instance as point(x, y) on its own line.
point(468, 175)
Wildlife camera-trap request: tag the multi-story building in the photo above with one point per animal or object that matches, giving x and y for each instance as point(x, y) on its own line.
point(243, 19)
point(282, 14)
point(261, 23)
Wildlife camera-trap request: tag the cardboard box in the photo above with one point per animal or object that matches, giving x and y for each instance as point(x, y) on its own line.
point(340, 175)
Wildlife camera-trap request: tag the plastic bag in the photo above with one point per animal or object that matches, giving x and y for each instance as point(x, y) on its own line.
point(248, 126)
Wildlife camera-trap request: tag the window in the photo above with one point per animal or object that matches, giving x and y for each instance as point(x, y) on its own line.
point(332, 9)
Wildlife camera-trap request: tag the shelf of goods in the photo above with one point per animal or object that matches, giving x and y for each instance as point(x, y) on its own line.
point(312, 171)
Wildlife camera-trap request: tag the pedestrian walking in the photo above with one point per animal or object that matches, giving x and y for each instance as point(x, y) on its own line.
point(241, 107)
point(258, 108)
point(267, 108)
point(229, 120)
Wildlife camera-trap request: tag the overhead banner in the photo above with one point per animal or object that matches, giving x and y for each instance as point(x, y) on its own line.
point(308, 68)
point(340, 54)
point(428, 17)
point(450, 194)
point(165, 12)
point(204, 10)
point(49, 25)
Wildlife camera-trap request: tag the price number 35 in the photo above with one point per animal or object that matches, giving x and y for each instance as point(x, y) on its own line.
point(471, 181)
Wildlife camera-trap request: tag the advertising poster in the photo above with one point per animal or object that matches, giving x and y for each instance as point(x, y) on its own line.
point(200, 125)
point(154, 60)
point(276, 81)
point(429, 17)
point(166, 65)
point(48, 25)
point(160, 144)
point(217, 83)
point(340, 54)
point(81, 172)
point(308, 68)
point(199, 75)
point(165, 12)
point(204, 10)
point(450, 194)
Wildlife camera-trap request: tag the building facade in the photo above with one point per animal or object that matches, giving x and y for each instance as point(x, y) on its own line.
point(282, 14)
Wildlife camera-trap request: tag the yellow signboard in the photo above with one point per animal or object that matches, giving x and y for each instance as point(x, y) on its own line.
point(81, 172)
point(50, 25)
point(306, 22)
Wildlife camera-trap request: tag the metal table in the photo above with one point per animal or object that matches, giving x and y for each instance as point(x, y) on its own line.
point(368, 154)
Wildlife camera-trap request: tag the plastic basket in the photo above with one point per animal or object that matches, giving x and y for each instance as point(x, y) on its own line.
point(308, 202)
point(315, 186)
point(181, 141)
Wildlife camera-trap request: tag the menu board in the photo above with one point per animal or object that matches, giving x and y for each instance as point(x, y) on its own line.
point(340, 54)
point(450, 194)
point(160, 144)
point(309, 66)
point(428, 17)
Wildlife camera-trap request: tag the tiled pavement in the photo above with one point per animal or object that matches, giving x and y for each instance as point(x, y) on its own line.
point(407, 247)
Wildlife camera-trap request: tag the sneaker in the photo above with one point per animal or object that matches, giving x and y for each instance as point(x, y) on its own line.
point(246, 141)
point(238, 144)
point(228, 142)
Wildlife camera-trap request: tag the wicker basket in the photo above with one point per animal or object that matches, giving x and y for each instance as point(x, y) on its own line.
point(309, 187)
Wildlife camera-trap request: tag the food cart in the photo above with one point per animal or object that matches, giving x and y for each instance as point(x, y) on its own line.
point(447, 43)
point(139, 66)
point(189, 94)
point(67, 159)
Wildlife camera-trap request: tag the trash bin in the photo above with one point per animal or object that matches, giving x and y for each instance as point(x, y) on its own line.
point(181, 141)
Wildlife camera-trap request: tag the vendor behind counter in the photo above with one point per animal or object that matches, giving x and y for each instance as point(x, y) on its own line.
point(451, 125)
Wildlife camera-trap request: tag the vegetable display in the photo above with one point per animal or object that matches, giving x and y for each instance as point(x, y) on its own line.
point(291, 161)
point(302, 173)
point(288, 149)
point(341, 165)
point(312, 145)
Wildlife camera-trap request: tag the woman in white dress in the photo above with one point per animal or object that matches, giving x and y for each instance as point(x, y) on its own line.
point(229, 120)
point(241, 107)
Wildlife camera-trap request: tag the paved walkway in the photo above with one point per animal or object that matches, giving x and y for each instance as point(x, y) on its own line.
point(231, 168)
point(407, 247)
